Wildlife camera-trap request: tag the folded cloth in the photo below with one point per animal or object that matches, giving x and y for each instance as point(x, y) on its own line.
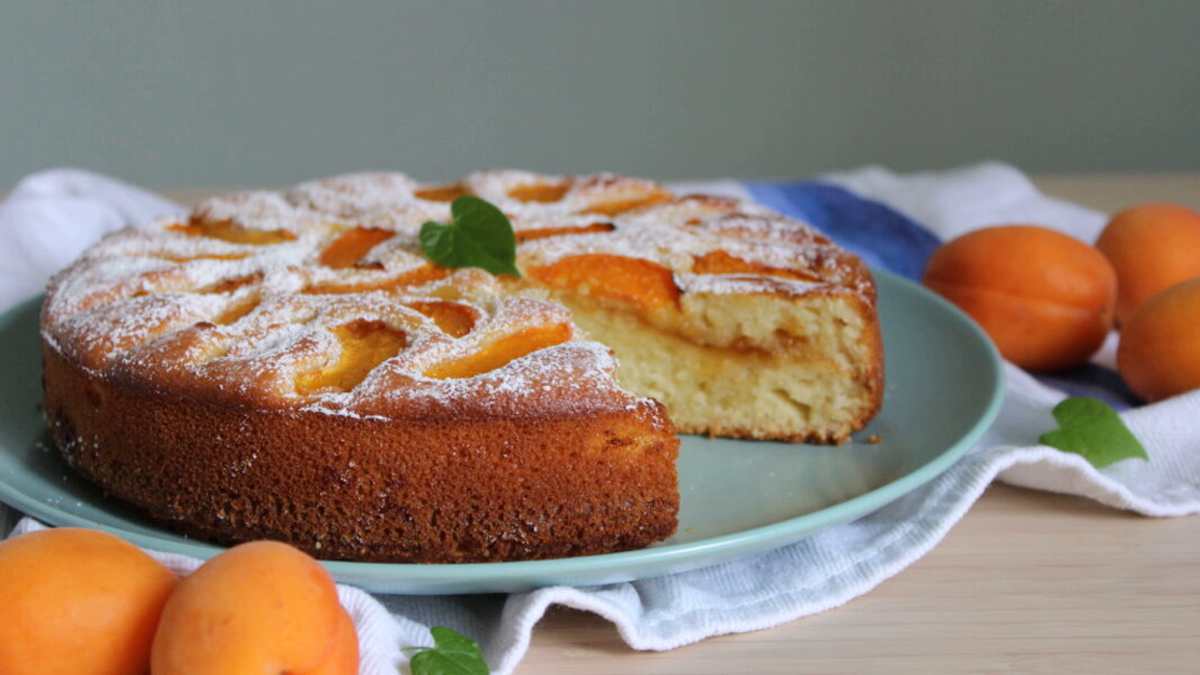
point(51, 216)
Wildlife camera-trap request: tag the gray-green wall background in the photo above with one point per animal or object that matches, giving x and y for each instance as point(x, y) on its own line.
point(184, 92)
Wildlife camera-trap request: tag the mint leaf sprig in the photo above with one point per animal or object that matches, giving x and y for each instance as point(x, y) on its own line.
point(478, 235)
point(452, 653)
point(1091, 428)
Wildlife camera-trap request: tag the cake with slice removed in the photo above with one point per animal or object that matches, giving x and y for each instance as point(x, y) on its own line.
point(289, 365)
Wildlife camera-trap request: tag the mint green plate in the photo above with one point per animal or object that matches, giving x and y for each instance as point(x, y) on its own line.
point(738, 497)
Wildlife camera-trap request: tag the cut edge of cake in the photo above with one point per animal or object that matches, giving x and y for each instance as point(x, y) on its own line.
point(821, 380)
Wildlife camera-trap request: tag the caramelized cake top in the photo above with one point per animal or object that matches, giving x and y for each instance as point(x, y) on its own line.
point(318, 297)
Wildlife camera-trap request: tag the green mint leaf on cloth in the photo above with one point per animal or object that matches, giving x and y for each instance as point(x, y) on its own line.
point(478, 235)
point(452, 654)
point(1089, 427)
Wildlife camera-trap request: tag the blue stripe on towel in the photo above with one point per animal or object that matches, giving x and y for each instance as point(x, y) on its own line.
point(881, 236)
point(889, 239)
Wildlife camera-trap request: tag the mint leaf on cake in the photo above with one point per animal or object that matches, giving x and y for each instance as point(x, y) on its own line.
point(478, 235)
point(1091, 428)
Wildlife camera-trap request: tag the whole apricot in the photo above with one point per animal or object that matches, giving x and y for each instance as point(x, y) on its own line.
point(262, 607)
point(1045, 299)
point(1152, 247)
point(344, 657)
point(1159, 352)
point(78, 602)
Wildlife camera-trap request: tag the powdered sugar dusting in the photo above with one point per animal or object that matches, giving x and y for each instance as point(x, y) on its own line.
point(236, 302)
point(724, 284)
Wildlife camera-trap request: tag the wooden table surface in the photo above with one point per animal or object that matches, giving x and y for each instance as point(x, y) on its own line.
point(1026, 583)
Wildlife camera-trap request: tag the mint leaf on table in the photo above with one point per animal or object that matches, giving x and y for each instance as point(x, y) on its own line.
point(451, 654)
point(478, 235)
point(1091, 428)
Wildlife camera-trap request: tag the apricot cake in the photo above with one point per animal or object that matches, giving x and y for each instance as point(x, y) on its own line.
point(289, 365)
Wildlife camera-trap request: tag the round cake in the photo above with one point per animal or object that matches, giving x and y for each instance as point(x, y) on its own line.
point(289, 365)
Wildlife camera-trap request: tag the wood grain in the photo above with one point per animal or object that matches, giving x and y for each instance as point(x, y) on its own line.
point(1112, 192)
point(1028, 582)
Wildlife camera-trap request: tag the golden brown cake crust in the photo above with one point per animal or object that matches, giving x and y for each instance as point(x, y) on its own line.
point(427, 490)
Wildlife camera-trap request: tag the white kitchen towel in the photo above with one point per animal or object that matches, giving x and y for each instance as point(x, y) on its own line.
point(53, 215)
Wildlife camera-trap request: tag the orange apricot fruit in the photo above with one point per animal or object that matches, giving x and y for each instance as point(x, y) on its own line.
point(454, 319)
point(1152, 247)
point(642, 284)
point(364, 345)
point(1045, 298)
point(499, 352)
point(352, 245)
point(720, 262)
point(1159, 352)
point(344, 656)
point(262, 607)
point(227, 230)
point(78, 601)
point(441, 193)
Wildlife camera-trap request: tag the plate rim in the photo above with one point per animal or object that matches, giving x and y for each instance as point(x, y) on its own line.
point(758, 538)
